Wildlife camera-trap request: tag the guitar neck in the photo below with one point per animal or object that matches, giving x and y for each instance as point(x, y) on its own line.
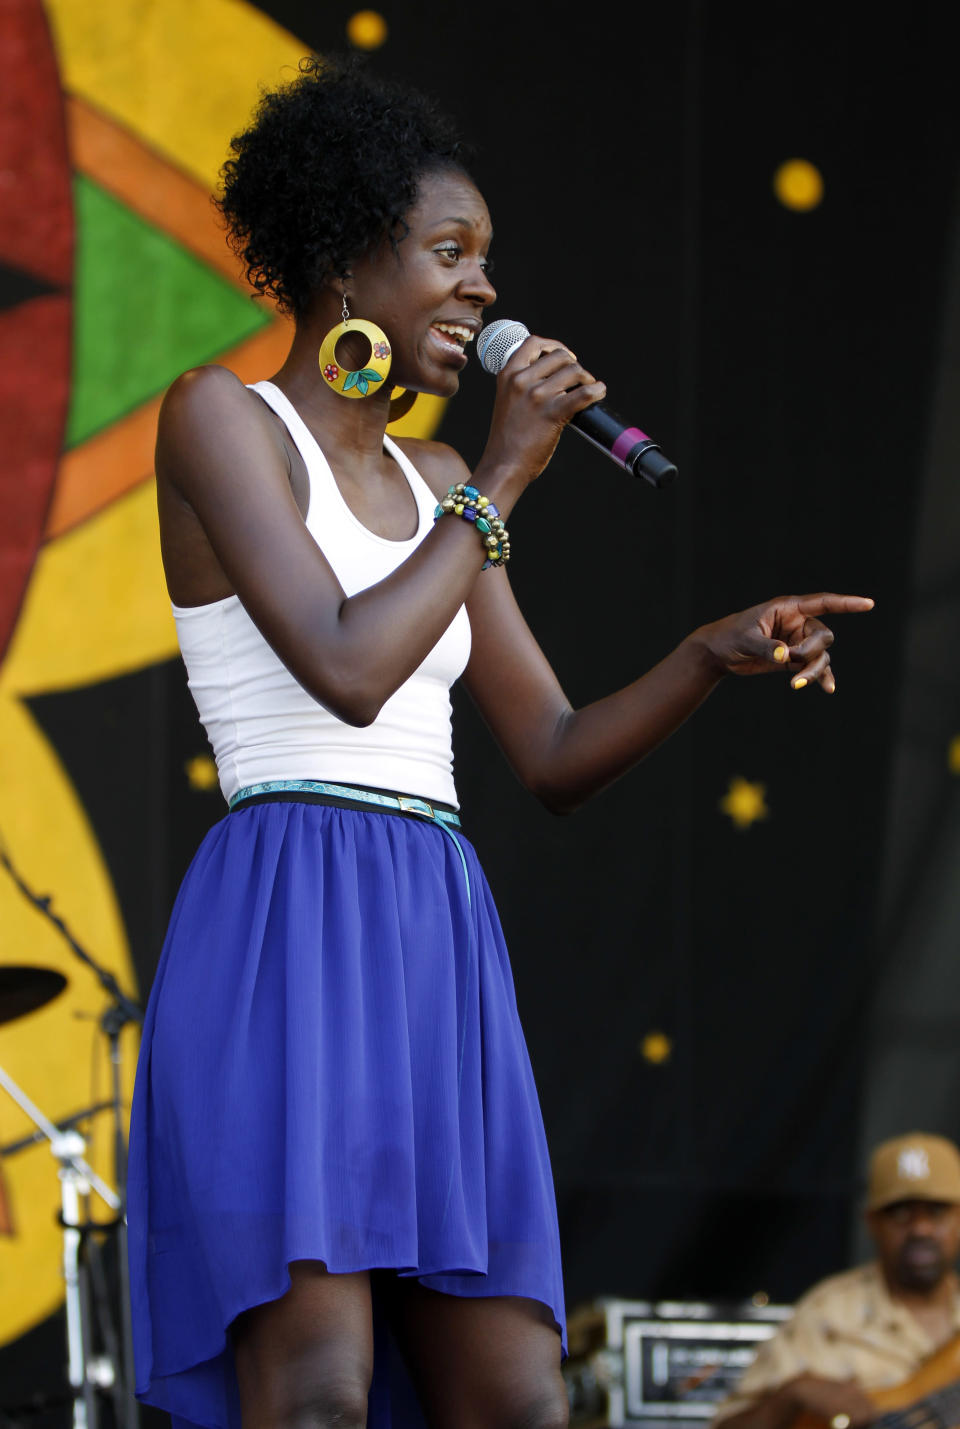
point(929, 1399)
point(940, 1410)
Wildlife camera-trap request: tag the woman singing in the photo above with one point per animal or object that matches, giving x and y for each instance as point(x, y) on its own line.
point(337, 1159)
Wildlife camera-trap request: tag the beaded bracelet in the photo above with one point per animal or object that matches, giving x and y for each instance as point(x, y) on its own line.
point(467, 502)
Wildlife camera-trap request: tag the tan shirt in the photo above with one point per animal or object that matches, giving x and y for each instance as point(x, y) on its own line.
point(847, 1326)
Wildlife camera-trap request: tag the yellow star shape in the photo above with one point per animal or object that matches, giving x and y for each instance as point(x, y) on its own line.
point(656, 1047)
point(201, 772)
point(744, 802)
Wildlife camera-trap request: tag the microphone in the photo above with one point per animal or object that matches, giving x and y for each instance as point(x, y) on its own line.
point(626, 444)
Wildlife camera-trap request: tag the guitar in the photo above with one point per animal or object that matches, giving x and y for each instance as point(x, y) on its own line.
point(929, 1399)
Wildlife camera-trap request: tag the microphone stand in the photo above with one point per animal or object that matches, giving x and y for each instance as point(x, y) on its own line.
point(120, 1011)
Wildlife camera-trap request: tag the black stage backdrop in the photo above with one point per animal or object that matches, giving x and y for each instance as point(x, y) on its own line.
point(696, 996)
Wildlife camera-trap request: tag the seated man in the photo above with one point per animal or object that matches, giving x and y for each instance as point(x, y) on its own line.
point(869, 1328)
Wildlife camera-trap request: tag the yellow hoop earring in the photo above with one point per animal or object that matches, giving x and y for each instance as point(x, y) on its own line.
point(362, 380)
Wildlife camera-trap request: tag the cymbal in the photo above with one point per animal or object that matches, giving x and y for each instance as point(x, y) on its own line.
point(24, 989)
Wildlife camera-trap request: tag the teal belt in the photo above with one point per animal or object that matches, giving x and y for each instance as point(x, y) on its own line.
point(445, 819)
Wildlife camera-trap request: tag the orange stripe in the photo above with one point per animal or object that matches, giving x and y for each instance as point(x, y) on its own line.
point(149, 185)
point(113, 461)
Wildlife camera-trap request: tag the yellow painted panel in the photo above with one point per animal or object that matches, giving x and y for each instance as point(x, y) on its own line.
point(182, 74)
point(57, 1055)
point(96, 605)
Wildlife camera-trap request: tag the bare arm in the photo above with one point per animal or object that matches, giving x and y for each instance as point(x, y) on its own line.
point(564, 755)
point(217, 450)
point(806, 1395)
point(771, 1411)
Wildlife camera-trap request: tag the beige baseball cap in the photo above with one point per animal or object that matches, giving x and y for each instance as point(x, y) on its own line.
point(915, 1167)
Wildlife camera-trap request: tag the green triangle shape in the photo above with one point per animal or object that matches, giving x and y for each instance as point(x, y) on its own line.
point(144, 310)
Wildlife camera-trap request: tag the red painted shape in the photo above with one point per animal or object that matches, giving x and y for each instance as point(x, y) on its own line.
point(34, 387)
point(36, 235)
point(36, 209)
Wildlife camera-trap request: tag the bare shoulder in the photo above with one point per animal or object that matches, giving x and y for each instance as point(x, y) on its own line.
point(208, 418)
point(206, 396)
point(438, 464)
point(195, 392)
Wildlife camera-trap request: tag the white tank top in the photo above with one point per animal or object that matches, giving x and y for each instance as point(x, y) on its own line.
point(262, 724)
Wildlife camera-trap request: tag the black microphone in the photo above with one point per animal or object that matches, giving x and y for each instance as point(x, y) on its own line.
point(626, 444)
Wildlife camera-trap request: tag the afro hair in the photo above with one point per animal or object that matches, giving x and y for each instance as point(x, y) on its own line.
point(327, 169)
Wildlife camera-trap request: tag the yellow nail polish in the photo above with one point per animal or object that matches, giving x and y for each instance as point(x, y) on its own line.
point(780, 654)
point(799, 684)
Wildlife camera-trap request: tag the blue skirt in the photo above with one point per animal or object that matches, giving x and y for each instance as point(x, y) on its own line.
point(332, 1068)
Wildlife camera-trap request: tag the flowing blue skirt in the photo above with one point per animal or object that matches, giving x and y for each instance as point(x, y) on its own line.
point(332, 1068)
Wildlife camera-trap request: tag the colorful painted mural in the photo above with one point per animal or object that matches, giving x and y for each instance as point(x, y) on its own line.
point(114, 121)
